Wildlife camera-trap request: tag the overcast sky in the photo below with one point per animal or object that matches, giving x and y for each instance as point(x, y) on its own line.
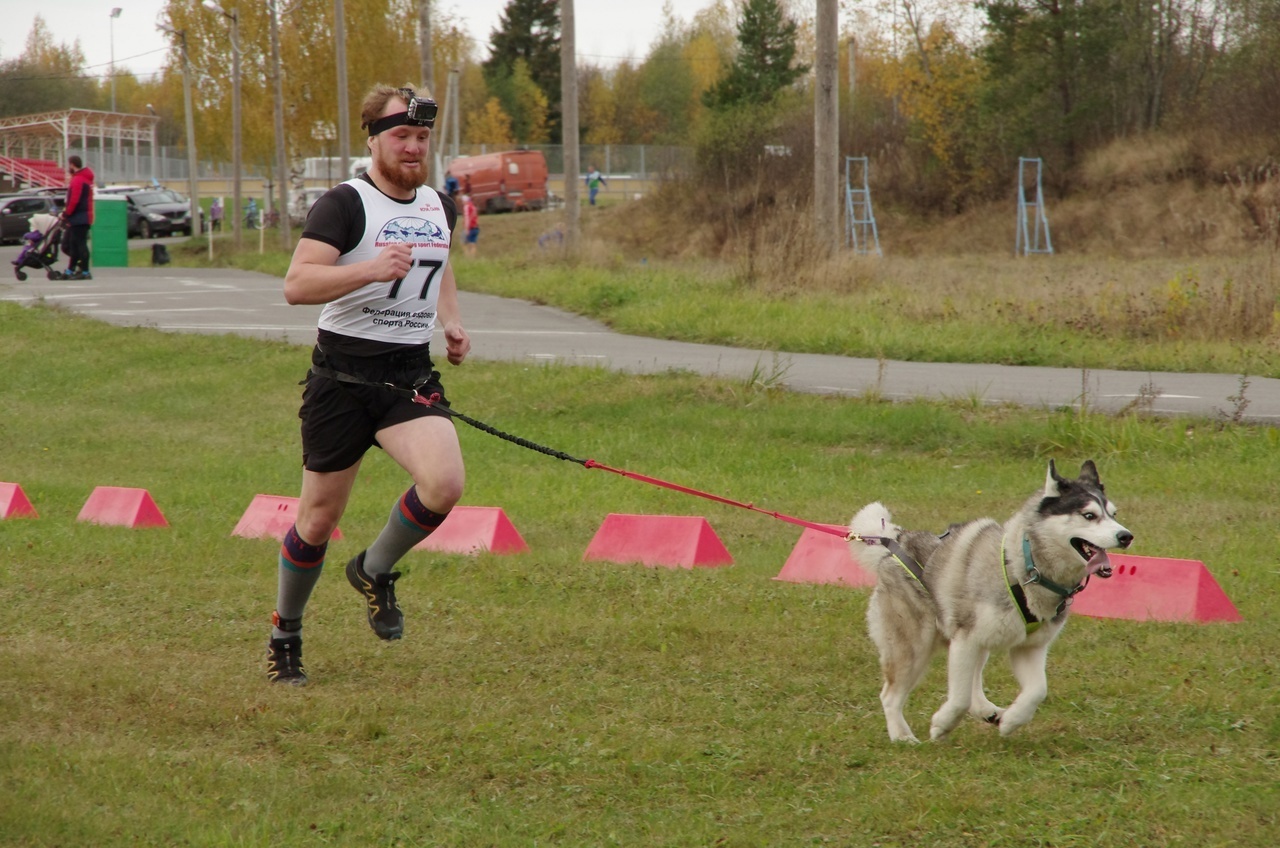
point(607, 30)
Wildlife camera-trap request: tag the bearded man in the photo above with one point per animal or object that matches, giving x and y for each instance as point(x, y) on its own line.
point(375, 252)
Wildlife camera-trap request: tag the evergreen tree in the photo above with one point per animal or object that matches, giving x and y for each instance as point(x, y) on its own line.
point(528, 30)
point(763, 67)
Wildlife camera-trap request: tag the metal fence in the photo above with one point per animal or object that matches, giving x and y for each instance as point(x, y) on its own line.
point(169, 165)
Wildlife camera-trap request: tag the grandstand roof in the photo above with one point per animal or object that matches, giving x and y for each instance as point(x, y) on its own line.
point(49, 134)
point(33, 148)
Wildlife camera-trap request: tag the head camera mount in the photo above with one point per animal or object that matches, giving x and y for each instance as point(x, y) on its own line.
point(421, 113)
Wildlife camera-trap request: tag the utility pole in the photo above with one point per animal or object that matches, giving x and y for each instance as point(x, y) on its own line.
point(344, 109)
point(826, 128)
point(424, 38)
point(115, 13)
point(455, 125)
point(444, 138)
point(569, 124)
point(282, 146)
point(428, 75)
point(192, 186)
point(236, 165)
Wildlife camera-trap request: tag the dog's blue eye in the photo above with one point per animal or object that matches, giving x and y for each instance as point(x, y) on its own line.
point(1090, 516)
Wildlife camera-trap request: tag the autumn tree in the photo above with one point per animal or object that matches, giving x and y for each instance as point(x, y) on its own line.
point(935, 85)
point(310, 77)
point(46, 77)
point(490, 126)
point(524, 103)
point(666, 88)
point(638, 122)
point(599, 111)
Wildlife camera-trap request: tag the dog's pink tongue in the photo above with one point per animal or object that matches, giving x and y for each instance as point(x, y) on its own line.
point(1099, 563)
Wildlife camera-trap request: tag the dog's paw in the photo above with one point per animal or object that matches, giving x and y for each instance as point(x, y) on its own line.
point(992, 714)
point(988, 712)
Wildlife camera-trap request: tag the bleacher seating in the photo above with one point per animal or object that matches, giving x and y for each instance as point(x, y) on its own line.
point(43, 173)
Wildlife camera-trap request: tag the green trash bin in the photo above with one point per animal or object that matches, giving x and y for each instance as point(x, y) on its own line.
point(109, 235)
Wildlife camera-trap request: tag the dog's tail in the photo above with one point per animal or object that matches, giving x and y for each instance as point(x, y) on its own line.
point(873, 520)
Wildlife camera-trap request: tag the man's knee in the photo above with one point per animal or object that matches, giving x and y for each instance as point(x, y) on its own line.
point(441, 492)
point(317, 520)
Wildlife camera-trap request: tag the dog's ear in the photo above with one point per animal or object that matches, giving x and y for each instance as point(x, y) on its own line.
point(1089, 474)
point(1053, 482)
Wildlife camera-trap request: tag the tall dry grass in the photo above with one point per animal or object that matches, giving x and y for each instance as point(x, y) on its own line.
point(1163, 261)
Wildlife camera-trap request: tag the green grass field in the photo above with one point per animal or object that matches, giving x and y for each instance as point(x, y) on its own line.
point(541, 700)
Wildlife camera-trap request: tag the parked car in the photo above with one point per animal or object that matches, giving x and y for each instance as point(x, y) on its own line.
point(59, 192)
point(515, 180)
point(16, 212)
point(158, 212)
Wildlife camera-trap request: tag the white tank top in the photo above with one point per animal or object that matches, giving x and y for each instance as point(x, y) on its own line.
point(397, 311)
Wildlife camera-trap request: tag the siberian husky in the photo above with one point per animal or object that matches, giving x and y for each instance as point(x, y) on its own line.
point(982, 587)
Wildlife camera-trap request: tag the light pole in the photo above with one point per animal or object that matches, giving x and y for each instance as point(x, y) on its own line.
point(115, 13)
point(235, 118)
point(193, 187)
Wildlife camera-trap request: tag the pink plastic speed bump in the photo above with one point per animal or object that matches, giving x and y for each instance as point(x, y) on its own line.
point(679, 541)
point(1156, 589)
point(472, 529)
point(14, 503)
point(270, 516)
point(1140, 589)
point(824, 558)
point(122, 506)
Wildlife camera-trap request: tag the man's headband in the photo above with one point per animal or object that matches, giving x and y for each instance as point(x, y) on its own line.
point(421, 113)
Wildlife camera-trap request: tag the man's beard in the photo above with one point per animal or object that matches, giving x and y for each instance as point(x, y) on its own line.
point(392, 172)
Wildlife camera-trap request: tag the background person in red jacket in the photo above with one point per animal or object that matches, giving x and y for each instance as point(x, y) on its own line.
point(78, 216)
point(471, 220)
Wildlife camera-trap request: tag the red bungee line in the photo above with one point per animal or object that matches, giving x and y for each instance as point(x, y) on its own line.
point(825, 528)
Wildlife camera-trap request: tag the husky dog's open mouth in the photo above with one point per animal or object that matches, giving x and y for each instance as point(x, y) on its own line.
point(1095, 557)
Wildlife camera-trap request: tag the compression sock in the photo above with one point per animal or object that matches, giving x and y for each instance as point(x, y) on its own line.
point(300, 565)
point(409, 524)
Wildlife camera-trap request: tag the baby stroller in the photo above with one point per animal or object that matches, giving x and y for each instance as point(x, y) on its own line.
point(40, 247)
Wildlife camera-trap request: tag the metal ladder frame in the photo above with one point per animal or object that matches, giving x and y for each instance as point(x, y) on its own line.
point(863, 235)
point(1038, 240)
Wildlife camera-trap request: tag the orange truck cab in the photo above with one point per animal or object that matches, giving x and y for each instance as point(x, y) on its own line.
point(511, 181)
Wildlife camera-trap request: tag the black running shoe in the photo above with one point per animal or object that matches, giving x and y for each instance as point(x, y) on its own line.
point(284, 661)
point(379, 592)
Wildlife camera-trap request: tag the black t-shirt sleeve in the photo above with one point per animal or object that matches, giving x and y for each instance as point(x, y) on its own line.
point(450, 211)
point(337, 219)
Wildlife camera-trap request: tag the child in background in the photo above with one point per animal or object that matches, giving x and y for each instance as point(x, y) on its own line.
point(471, 218)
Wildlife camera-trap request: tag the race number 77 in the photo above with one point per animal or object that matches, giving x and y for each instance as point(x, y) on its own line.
point(432, 266)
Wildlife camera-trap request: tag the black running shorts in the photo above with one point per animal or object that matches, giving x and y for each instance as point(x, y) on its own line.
point(340, 420)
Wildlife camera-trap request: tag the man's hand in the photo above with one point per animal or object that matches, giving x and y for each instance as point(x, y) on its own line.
point(456, 342)
point(392, 263)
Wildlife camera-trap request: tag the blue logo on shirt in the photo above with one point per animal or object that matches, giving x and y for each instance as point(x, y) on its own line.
point(411, 230)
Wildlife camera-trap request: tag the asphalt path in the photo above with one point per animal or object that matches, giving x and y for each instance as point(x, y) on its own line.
point(218, 301)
